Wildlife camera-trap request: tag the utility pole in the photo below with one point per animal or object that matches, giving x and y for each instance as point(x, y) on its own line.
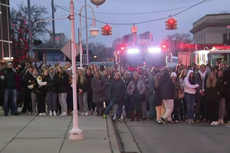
point(53, 22)
point(86, 35)
point(30, 29)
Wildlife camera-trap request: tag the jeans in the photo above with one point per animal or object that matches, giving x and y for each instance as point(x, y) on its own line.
point(52, 101)
point(83, 102)
point(12, 95)
point(190, 101)
point(63, 102)
point(152, 110)
point(135, 103)
point(111, 104)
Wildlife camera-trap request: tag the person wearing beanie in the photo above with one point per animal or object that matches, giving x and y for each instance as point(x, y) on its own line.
point(136, 91)
point(10, 90)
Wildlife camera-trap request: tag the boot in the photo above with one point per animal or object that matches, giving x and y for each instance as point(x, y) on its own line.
point(132, 116)
point(138, 116)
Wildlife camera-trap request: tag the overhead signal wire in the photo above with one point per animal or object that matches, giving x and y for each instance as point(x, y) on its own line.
point(142, 22)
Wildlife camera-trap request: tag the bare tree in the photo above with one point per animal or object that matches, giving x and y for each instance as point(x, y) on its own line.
point(20, 30)
point(116, 43)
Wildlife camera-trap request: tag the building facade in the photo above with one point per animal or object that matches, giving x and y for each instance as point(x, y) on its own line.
point(212, 29)
point(5, 43)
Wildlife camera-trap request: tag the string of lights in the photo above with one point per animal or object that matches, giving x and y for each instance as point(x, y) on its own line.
point(134, 13)
point(142, 22)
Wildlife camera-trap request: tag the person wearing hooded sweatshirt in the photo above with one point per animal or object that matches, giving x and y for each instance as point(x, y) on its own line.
point(190, 95)
point(52, 80)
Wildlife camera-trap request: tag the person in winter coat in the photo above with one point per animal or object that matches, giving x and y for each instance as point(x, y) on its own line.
point(52, 80)
point(98, 85)
point(190, 95)
point(63, 88)
point(222, 91)
point(160, 110)
point(89, 76)
point(82, 93)
point(167, 94)
point(136, 90)
point(116, 94)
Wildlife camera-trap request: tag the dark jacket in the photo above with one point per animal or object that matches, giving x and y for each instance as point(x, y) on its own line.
point(221, 87)
point(167, 87)
point(40, 86)
point(211, 93)
point(99, 89)
point(10, 79)
point(27, 80)
point(157, 97)
point(82, 86)
point(117, 91)
point(63, 83)
point(52, 80)
point(88, 86)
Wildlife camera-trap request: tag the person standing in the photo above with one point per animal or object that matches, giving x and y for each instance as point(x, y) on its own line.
point(10, 94)
point(167, 94)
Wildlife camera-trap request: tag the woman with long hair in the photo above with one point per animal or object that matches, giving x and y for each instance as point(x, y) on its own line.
point(89, 77)
point(82, 93)
point(221, 87)
point(63, 89)
point(212, 94)
point(160, 110)
point(190, 95)
point(183, 107)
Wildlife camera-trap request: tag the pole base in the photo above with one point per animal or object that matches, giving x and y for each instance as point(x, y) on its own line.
point(76, 134)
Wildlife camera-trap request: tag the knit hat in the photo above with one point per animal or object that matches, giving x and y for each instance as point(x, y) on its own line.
point(9, 63)
point(173, 74)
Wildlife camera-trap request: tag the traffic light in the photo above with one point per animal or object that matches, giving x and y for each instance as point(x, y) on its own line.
point(106, 30)
point(171, 24)
point(37, 42)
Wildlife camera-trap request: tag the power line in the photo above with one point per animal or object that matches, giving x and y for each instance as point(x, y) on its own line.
point(142, 22)
point(135, 13)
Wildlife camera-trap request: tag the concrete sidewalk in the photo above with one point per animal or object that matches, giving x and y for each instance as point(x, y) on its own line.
point(35, 134)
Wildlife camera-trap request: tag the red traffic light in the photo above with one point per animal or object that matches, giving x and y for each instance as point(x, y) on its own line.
point(107, 27)
point(164, 46)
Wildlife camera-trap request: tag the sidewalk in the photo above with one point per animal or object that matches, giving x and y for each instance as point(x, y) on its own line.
point(35, 134)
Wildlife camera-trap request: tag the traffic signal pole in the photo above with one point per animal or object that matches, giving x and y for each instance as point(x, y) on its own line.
point(30, 29)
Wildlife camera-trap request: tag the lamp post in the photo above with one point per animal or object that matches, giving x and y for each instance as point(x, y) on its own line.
point(75, 133)
point(93, 31)
point(97, 2)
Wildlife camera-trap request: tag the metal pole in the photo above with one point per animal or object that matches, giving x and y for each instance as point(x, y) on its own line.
point(86, 34)
point(53, 22)
point(80, 40)
point(75, 133)
point(8, 31)
point(2, 37)
point(30, 29)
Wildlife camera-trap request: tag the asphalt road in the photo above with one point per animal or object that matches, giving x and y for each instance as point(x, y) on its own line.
point(180, 138)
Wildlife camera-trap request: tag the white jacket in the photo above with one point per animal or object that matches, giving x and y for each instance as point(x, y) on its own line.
point(188, 87)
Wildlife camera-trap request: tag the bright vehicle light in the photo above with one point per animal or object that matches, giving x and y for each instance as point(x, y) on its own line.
point(133, 51)
point(154, 50)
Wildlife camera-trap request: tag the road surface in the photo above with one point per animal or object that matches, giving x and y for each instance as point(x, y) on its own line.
point(180, 138)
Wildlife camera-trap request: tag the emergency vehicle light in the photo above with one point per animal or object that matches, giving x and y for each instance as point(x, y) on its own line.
point(154, 50)
point(133, 51)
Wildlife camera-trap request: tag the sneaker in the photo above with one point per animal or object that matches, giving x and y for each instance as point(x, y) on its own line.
point(95, 113)
point(55, 114)
point(64, 114)
point(176, 121)
point(44, 114)
point(163, 120)
point(40, 114)
point(159, 122)
point(212, 123)
point(104, 116)
point(82, 113)
point(122, 117)
point(114, 117)
point(120, 120)
point(29, 113)
point(50, 114)
point(86, 114)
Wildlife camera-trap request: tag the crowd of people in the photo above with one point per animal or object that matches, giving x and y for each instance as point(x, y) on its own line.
point(188, 94)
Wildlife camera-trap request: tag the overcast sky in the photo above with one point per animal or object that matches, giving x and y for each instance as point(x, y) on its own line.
point(113, 10)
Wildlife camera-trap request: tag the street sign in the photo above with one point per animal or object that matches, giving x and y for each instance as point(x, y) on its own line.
point(145, 35)
point(127, 38)
point(228, 26)
point(134, 29)
point(66, 49)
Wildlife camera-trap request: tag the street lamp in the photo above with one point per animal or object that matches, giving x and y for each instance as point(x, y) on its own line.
point(93, 31)
point(97, 2)
point(75, 133)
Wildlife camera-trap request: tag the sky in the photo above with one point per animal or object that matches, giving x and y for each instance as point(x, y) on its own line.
point(115, 12)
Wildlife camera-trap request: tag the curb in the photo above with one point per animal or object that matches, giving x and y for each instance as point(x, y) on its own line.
point(123, 144)
point(114, 141)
